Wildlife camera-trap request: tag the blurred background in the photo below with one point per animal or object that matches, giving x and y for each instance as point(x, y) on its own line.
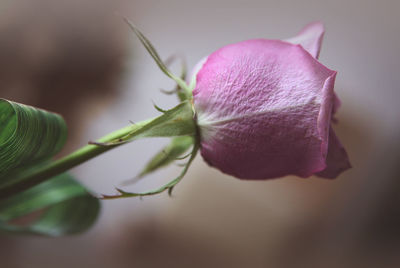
point(80, 59)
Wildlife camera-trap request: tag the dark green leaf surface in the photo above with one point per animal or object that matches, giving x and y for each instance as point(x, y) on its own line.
point(63, 205)
point(27, 135)
point(29, 138)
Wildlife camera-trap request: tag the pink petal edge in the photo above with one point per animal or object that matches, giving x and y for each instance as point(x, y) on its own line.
point(310, 38)
point(337, 159)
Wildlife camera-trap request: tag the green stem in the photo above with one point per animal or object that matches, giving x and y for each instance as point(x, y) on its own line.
point(33, 177)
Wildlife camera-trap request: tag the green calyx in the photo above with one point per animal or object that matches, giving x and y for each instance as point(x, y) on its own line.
point(178, 123)
point(184, 122)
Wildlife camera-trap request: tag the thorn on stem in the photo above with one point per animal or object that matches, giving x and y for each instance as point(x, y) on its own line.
point(98, 143)
point(170, 191)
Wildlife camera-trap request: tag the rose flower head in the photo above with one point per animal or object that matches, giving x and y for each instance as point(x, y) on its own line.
point(264, 109)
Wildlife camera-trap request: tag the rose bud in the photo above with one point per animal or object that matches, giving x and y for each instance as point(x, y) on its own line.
point(264, 109)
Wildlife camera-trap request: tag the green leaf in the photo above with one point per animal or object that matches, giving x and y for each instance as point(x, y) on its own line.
point(27, 135)
point(167, 187)
point(56, 207)
point(29, 138)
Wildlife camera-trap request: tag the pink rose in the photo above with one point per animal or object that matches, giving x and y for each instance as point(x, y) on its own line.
point(264, 109)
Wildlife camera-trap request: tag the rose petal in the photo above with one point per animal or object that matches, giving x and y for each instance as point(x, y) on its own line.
point(310, 38)
point(337, 160)
point(336, 105)
point(263, 110)
point(192, 75)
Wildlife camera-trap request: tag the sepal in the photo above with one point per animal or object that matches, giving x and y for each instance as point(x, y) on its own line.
point(170, 153)
point(167, 187)
point(154, 54)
